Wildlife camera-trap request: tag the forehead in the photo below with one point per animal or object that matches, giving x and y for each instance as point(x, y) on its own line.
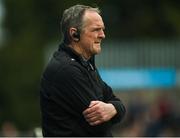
point(93, 18)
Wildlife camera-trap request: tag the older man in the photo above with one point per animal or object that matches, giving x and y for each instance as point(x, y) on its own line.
point(75, 101)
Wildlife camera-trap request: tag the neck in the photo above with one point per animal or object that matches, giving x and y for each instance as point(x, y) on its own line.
point(77, 48)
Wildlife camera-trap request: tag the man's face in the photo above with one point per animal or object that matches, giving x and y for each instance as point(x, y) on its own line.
point(92, 34)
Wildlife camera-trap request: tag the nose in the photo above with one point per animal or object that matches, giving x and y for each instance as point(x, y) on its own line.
point(102, 34)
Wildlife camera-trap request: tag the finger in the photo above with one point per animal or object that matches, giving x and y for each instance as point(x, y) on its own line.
point(93, 103)
point(95, 123)
point(86, 112)
point(90, 115)
point(90, 110)
point(92, 119)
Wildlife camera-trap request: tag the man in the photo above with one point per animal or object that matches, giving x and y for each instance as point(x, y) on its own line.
point(74, 99)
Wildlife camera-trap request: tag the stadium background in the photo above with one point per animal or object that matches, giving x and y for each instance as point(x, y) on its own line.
point(139, 59)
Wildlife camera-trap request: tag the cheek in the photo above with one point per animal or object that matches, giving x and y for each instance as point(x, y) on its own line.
point(90, 37)
point(88, 41)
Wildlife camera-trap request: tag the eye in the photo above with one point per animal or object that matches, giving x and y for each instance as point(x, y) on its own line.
point(98, 29)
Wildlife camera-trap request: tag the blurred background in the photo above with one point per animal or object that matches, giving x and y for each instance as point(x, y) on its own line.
point(139, 59)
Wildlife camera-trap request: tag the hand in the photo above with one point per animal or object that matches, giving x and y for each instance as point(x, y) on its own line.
point(99, 112)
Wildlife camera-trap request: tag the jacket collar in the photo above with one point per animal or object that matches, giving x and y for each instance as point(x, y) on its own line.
point(89, 64)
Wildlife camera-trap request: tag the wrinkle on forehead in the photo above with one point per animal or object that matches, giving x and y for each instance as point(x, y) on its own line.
point(93, 18)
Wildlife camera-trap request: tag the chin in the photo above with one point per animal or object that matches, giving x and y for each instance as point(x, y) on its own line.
point(98, 51)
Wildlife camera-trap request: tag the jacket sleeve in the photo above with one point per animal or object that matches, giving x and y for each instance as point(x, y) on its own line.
point(76, 96)
point(111, 98)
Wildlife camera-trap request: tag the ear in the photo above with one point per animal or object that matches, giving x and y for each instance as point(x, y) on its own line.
point(74, 34)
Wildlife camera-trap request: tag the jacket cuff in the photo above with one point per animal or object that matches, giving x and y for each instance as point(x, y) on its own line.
point(120, 111)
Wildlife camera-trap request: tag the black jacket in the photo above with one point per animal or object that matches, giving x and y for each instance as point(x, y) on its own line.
point(68, 86)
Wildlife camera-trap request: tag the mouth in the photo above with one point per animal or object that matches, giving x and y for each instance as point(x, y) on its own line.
point(97, 42)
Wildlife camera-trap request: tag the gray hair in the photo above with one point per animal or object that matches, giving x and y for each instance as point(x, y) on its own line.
point(73, 17)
